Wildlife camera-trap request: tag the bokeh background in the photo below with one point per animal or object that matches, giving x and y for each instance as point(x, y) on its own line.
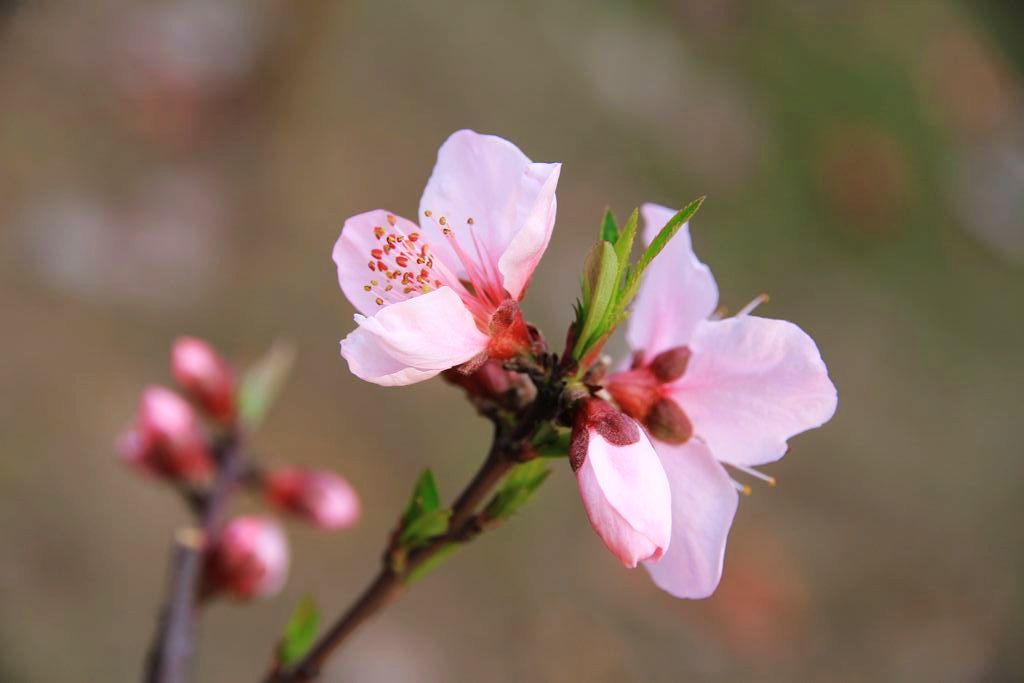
point(184, 167)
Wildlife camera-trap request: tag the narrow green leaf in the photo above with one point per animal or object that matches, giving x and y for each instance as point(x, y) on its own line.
point(425, 568)
point(299, 632)
point(609, 228)
point(423, 528)
point(624, 245)
point(517, 488)
point(425, 498)
point(657, 244)
point(262, 382)
point(601, 272)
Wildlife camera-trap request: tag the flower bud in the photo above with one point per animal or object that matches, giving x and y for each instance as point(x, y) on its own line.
point(320, 497)
point(249, 559)
point(166, 439)
point(204, 376)
point(623, 486)
point(490, 380)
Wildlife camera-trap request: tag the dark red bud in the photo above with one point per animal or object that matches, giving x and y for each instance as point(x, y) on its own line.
point(670, 365)
point(204, 376)
point(667, 422)
point(510, 335)
point(594, 414)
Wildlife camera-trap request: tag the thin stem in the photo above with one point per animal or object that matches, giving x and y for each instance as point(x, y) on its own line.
point(510, 446)
point(170, 656)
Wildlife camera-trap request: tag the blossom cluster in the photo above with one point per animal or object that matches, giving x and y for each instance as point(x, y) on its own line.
point(656, 443)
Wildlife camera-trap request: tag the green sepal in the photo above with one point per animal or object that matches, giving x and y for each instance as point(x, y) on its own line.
point(299, 632)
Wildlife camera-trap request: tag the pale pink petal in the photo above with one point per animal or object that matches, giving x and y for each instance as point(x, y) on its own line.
point(510, 200)
point(352, 257)
point(367, 360)
point(414, 339)
point(678, 291)
point(627, 499)
point(704, 502)
point(751, 384)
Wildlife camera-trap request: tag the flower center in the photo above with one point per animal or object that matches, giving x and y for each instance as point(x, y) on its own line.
point(405, 265)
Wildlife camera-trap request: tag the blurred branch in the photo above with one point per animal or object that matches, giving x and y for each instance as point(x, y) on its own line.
point(170, 656)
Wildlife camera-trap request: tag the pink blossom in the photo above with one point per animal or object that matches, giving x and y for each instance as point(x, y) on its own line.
point(622, 483)
point(318, 496)
point(166, 439)
point(443, 293)
point(204, 376)
point(711, 393)
point(249, 559)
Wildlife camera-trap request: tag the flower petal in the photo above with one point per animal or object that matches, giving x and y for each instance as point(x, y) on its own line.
point(751, 384)
point(414, 339)
point(510, 200)
point(368, 360)
point(704, 503)
point(678, 290)
point(352, 256)
point(626, 497)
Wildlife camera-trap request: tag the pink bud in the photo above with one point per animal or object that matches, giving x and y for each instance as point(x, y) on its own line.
point(166, 440)
point(318, 496)
point(622, 483)
point(249, 559)
point(204, 376)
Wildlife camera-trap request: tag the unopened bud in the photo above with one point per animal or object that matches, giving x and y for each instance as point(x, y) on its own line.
point(320, 497)
point(622, 483)
point(166, 440)
point(204, 376)
point(249, 559)
point(490, 380)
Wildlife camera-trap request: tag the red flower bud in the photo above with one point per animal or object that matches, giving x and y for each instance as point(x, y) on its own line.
point(249, 559)
point(320, 497)
point(166, 439)
point(204, 376)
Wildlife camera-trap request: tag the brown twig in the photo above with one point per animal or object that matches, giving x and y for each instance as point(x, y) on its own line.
point(510, 446)
point(170, 656)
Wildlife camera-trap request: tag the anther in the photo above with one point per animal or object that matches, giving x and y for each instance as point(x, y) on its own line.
point(380, 302)
point(443, 220)
point(391, 219)
point(378, 232)
point(367, 288)
point(428, 213)
point(470, 220)
point(377, 253)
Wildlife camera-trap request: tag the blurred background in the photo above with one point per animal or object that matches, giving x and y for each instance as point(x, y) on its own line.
point(184, 167)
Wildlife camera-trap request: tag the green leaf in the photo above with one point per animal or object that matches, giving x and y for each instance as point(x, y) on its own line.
point(299, 633)
point(262, 382)
point(423, 528)
point(624, 245)
point(425, 498)
point(657, 244)
point(609, 228)
point(425, 568)
point(424, 518)
point(600, 279)
point(517, 488)
point(557, 446)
